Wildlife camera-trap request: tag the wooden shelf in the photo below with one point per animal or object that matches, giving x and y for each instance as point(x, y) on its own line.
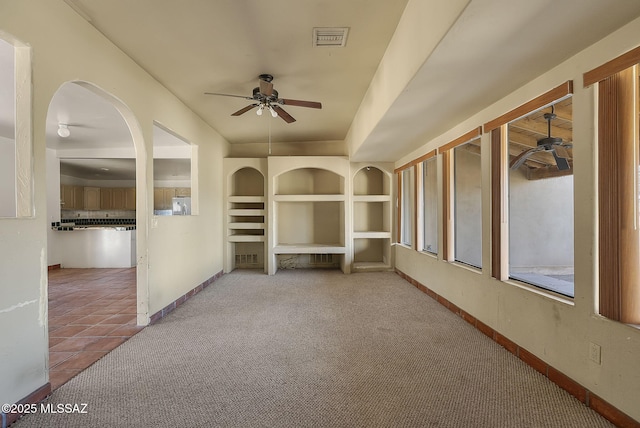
point(309, 198)
point(309, 249)
point(246, 225)
point(246, 212)
point(372, 235)
point(371, 198)
point(245, 238)
point(246, 199)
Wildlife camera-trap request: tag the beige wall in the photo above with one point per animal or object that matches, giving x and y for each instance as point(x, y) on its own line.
point(174, 254)
point(558, 331)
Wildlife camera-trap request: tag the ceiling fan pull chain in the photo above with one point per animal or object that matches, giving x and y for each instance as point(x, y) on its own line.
point(270, 135)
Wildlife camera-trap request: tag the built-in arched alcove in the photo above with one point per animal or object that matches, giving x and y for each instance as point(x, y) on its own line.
point(309, 181)
point(372, 218)
point(246, 213)
point(370, 180)
point(247, 181)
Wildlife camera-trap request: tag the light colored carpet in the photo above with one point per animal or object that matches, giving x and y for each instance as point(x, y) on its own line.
point(313, 348)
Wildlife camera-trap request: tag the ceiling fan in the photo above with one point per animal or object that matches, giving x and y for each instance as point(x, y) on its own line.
point(547, 144)
point(266, 98)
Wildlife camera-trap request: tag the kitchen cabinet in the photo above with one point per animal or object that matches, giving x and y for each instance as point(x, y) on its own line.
point(183, 191)
point(163, 198)
point(92, 198)
point(117, 198)
point(71, 197)
point(106, 202)
point(130, 198)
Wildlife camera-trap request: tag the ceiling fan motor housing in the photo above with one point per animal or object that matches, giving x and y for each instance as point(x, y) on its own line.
point(550, 141)
point(259, 96)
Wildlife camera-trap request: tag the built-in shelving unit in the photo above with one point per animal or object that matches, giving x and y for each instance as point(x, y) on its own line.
point(246, 213)
point(309, 212)
point(372, 217)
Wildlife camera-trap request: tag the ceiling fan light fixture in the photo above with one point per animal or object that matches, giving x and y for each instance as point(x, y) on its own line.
point(63, 130)
point(260, 109)
point(273, 112)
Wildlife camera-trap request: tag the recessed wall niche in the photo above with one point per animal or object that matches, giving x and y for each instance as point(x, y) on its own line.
point(245, 219)
point(372, 217)
point(310, 181)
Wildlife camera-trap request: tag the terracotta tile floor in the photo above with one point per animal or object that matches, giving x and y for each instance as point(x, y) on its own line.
point(91, 312)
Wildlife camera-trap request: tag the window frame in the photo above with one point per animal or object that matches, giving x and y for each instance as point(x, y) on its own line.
point(421, 202)
point(618, 110)
point(498, 129)
point(403, 217)
point(23, 129)
point(448, 191)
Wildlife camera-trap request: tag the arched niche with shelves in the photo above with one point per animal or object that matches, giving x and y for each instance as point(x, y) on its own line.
point(372, 216)
point(246, 212)
point(309, 206)
point(247, 181)
point(309, 181)
point(370, 180)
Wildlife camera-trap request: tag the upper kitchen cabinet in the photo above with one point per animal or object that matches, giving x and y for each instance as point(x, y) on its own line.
point(92, 198)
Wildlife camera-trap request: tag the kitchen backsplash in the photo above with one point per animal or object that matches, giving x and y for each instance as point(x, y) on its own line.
point(78, 214)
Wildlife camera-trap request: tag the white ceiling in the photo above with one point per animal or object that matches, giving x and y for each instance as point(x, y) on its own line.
point(197, 46)
point(222, 46)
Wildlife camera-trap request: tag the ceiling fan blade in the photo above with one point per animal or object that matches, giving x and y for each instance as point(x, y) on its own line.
point(563, 163)
point(266, 88)
point(283, 114)
point(244, 110)
point(522, 157)
point(299, 103)
point(229, 95)
point(563, 151)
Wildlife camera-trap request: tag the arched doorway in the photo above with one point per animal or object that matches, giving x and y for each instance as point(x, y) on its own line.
point(95, 158)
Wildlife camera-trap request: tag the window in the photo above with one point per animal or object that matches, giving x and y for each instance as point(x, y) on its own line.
point(541, 198)
point(7, 131)
point(532, 192)
point(467, 204)
point(430, 206)
point(173, 174)
point(618, 183)
point(16, 181)
point(406, 205)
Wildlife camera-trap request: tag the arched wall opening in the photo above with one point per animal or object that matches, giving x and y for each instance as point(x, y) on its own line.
point(97, 208)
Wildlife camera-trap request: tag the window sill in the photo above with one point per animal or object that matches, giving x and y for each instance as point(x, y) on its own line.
point(541, 292)
point(430, 254)
point(466, 266)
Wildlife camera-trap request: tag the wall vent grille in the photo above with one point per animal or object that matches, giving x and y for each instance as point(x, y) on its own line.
point(320, 259)
point(246, 259)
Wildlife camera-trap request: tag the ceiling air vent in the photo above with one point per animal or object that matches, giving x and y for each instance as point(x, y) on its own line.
point(330, 36)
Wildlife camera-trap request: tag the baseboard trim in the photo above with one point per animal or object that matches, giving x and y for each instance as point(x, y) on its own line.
point(53, 267)
point(180, 300)
point(588, 398)
point(34, 398)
